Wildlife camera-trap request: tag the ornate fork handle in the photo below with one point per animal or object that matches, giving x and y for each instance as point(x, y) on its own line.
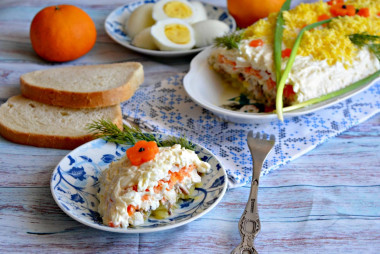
point(249, 224)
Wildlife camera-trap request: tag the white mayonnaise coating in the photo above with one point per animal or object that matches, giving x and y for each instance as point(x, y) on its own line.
point(260, 58)
point(116, 184)
point(310, 78)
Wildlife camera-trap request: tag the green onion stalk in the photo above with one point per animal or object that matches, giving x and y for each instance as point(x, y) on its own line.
point(347, 89)
point(278, 38)
point(288, 67)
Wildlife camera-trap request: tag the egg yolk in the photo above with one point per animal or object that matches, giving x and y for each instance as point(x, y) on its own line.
point(177, 33)
point(176, 9)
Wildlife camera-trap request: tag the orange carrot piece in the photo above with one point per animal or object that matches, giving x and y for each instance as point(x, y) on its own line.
point(251, 71)
point(288, 91)
point(112, 225)
point(256, 43)
point(286, 52)
point(142, 152)
point(221, 59)
point(342, 10)
point(180, 175)
point(335, 2)
point(364, 12)
point(323, 17)
point(158, 188)
point(145, 197)
point(131, 209)
point(271, 84)
point(351, 11)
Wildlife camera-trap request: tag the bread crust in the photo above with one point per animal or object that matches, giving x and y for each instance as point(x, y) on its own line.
point(96, 99)
point(51, 141)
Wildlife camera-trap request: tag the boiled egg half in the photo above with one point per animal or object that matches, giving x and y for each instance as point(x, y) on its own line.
point(173, 34)
point(180, 9)
point(139, 19)
point(207, 30)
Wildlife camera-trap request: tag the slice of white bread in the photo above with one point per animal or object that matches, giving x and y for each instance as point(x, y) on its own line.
point(87, 86)
point(28, 122)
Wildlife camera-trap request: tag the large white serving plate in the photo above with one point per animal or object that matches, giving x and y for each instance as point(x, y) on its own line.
point(206, 88)
point(115, 21)
point(74, 186)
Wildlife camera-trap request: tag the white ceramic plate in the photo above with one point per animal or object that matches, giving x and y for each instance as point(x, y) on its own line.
point(205, 87)
point(74, 186)
point(114, 26)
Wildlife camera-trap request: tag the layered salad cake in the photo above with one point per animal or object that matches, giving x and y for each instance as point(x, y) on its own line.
point(329, 57)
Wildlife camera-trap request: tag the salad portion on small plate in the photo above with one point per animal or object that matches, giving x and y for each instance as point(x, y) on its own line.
point(117, 19)
point(208, 89)
point(75, 184)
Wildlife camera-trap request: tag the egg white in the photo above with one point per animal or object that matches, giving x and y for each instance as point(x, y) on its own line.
point(207, 30)
point(144, 40)
point(200, 12)
point(139, 19)
point(158, 12)
point(163, 43)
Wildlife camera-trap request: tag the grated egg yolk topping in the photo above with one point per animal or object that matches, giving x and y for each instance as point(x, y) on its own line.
point(176, 9)
point(373, 5)
point(330, 42)
point(177, 33)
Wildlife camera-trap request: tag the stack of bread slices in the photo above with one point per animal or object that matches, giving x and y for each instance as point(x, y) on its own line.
point(57, 104)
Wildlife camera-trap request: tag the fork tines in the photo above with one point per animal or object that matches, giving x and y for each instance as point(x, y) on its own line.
point(258, 135)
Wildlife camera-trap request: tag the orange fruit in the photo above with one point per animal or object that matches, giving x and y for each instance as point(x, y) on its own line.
point(247, 12)
point(62, 33)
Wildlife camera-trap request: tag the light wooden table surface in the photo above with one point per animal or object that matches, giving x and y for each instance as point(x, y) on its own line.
point(327, 201)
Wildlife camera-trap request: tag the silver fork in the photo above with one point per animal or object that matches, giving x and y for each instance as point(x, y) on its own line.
point(249, 224)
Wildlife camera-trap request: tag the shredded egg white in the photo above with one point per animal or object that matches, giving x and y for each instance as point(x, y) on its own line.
point(123, 184)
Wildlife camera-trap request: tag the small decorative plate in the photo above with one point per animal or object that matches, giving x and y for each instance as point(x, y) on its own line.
point(114, 26)
point(206, 88)
point(74, 186)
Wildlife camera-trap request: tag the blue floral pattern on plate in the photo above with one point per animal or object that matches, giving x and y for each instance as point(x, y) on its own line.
point(74, 186)
point(114, 26)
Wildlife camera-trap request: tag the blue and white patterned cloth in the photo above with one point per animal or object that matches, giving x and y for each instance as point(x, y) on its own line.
point(165, 107)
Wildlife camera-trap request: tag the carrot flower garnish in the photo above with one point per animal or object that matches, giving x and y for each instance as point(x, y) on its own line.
point(142, 152)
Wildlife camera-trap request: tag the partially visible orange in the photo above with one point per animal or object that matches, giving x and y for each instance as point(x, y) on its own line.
point(62, 33)
point(247, 12)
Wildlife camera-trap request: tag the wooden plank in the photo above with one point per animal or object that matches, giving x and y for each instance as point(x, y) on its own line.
point(294, 218)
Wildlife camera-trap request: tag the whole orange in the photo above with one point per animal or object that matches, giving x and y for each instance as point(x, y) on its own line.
point(62, 33)
point(247, 12)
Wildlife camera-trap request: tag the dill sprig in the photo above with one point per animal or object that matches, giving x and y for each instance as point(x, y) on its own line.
point(230, 41)
point(131, 135)
point(367, 40)
point(171, 140)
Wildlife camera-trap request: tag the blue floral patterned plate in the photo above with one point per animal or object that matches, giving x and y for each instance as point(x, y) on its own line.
point(74, 186)
point(115, 21)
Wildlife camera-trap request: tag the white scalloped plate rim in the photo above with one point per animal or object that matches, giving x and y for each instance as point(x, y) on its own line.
point(201, 79)
point(119, 16)
point(215, 174)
